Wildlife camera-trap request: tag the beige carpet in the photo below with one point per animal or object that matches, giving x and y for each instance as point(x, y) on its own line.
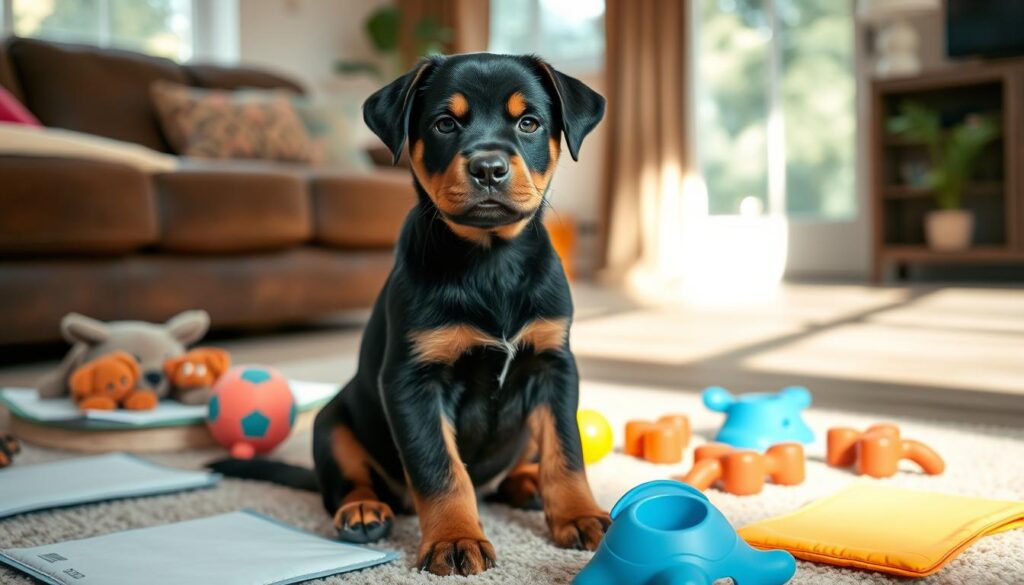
point(982, 461)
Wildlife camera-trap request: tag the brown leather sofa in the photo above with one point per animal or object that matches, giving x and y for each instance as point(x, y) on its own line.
point(254, 244)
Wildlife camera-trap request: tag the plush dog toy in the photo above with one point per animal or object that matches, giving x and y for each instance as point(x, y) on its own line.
point(150, 344)
point(197, 369)
point(109, 382)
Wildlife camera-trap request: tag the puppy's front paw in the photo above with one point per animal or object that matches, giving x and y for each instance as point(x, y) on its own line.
point(582, 532)
point(363, 521)
point(458, 556)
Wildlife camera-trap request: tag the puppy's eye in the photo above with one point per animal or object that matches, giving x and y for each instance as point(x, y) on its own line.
point(445, 125)
point(528, 125)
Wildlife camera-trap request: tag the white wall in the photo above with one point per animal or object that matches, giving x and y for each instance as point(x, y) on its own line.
point(304, 38)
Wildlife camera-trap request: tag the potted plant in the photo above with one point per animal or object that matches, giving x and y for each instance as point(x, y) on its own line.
point(953, 153)
point(383, 27)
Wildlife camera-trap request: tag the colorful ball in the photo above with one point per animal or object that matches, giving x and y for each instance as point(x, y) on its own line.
point(251, 410)
point(596, 435)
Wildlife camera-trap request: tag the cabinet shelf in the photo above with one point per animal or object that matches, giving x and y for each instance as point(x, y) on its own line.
point(996, 198)
point(976, 189)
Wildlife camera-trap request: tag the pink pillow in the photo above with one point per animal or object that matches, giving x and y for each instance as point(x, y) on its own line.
point(11, 110)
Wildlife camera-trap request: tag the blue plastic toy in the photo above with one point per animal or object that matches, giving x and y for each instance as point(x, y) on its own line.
point(760, 420)
point(665, 532)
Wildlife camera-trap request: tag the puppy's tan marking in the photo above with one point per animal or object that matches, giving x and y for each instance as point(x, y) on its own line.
point(361, 505)
point(447, 344)
point(544, 334)
point(573, 516)
point(453, 541)
point(512, 230)
point(448, 189)
point(541, 180)
point(458, 105)
point(516, 104)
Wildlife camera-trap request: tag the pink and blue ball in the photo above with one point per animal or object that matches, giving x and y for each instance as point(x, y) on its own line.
point(251, 410)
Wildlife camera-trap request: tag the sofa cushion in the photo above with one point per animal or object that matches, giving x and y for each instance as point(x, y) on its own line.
point(70, 206)
point(8, 79)
point(214, 123)
point(213, 211)
point(217, 77)
point(21, 140)
point(99, 91)
point(361, 210)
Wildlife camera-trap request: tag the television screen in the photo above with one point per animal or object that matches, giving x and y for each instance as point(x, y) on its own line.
point(984, 28)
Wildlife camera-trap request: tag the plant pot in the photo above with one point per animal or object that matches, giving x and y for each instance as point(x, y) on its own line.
point(949, 230)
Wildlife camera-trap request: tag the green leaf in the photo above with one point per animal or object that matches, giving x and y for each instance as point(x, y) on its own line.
point(383, 28)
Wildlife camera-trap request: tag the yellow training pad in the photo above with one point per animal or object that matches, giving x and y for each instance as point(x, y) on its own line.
point(884, 528)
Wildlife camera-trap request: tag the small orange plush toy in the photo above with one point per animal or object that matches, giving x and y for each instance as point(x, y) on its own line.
point(198, 368)
point(109, 382)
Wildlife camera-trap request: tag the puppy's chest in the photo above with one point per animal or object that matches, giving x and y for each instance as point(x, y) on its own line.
point(448, 343)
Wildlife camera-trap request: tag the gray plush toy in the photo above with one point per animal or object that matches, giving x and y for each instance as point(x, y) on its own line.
point(151, 344)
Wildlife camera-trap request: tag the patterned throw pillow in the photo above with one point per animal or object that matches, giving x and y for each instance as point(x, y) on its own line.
point(328, 121)
point(207, 123)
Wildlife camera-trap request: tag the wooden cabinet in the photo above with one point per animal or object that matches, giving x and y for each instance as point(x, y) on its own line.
point(995, 194)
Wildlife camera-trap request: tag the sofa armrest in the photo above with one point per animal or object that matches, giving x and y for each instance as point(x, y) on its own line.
point(361, 210)
point(67, 205)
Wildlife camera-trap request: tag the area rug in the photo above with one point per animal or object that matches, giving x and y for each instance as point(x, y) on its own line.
point(981, 461)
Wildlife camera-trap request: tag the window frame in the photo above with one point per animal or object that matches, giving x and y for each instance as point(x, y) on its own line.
point(580, 66)
point(775, 142)
point(213, 30)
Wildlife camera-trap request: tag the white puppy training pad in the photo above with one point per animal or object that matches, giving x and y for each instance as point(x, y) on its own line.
point(238, 548)
point(114, 476)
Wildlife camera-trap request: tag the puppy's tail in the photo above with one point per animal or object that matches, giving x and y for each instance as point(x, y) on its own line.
point(293, 476)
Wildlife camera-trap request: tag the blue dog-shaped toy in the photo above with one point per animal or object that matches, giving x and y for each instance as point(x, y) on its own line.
point(759, 420)
point(665, 532)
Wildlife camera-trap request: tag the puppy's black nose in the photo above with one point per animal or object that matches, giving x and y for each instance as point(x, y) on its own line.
point(488, 168)
point(154, 377)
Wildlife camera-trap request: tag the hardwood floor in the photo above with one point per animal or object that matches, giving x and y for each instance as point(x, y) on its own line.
point(947, 353)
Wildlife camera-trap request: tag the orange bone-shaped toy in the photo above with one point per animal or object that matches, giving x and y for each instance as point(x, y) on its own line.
point(662, 441)
point(877, 451)
point(741, 471)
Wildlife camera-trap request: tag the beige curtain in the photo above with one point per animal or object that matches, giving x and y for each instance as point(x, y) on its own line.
point(646, 60)
point(469, 21)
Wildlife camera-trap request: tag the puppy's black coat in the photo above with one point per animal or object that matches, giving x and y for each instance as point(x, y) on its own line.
point(466, 381)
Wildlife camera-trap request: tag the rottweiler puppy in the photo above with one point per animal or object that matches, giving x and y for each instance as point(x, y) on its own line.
point(466, 384)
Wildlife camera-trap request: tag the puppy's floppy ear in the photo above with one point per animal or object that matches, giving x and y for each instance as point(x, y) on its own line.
point(581, 107)
point(387, 111)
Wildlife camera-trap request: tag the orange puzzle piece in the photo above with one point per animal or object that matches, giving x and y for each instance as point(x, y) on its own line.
point(877, 451)
point(742, 471)
point(661, 441)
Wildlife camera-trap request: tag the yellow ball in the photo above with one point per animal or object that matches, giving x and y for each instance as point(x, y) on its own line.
point(596, 434)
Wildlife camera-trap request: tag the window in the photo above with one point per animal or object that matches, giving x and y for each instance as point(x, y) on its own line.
point(775, 114)
point(157, 27)
point(568, 33)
